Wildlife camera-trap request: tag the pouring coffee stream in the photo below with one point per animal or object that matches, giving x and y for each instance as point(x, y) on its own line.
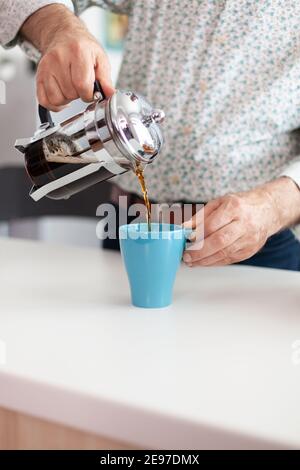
point(112, 136)
point(140, 174)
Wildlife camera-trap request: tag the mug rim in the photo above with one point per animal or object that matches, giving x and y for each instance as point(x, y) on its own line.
point(143, 228)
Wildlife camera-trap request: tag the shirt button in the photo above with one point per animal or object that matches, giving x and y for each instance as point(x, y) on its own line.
point(187, 130)
point(222, 39)
point(203, 86)
point(175, 179)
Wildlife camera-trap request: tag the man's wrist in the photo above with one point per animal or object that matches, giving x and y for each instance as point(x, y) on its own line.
point(284, 196)
point(49, 22)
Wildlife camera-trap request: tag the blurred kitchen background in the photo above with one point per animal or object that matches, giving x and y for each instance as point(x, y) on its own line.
point(73, 221)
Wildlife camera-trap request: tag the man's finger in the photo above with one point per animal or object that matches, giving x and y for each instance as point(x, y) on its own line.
point(103, 75)
point(243, 248)
point(41, 95)
point(83, 77)
point(54, 93)
point(44, 100)
point(232, 254)
point(215, 242)
point(217, 219)
point(64, 79)
point(201, 215)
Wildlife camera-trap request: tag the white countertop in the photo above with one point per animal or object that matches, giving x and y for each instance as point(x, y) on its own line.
point(215, 370)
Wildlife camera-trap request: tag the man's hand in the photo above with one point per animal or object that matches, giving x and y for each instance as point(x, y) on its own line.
point(237, 226)
point(71, 57)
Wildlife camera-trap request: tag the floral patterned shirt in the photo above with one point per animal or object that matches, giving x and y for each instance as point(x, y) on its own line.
point(227, 74)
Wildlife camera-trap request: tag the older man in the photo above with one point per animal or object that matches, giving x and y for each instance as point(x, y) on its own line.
point(227, 74)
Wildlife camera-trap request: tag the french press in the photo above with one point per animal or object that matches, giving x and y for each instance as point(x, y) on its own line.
point(109, 138)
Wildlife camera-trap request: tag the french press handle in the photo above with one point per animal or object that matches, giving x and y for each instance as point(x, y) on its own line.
point(45, 115)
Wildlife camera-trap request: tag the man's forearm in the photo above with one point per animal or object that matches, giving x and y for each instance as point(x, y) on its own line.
point(285, 197)
point(49, 22)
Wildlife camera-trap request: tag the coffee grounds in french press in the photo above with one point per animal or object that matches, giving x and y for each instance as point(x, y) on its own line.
point(59, 147)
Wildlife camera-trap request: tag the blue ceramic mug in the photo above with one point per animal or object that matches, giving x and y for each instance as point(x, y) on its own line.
point(152, 260)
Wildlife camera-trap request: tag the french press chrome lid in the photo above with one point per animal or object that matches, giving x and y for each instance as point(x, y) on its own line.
point(133, 123)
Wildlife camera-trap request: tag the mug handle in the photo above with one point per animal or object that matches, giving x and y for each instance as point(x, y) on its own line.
point(187, 233)
point(45, 115)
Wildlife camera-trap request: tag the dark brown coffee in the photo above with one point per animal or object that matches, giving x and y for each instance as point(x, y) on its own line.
point(141, 177)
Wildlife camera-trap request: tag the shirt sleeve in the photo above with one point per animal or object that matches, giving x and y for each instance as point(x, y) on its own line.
point(293, 171)
point(13, 13)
